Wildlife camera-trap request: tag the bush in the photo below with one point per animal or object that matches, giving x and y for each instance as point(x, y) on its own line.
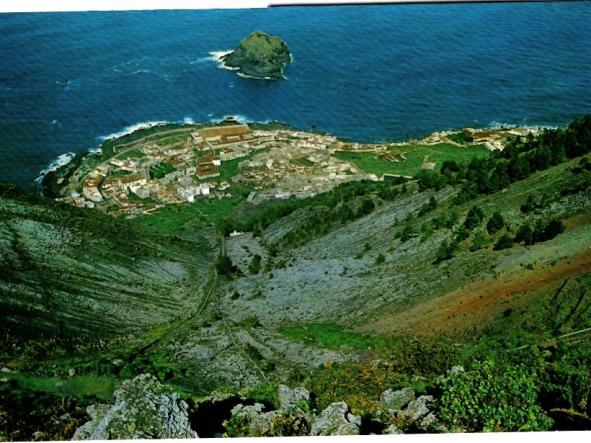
point(255, 264)
point(446, 251)
point(380, 259)
point(551, 230)
point(495, 223)
point(504, 242)
point(428, 207)
point(224, 266)
point(366, 207)
point(493, 395)
point(480, 241)
point(525, 234)
point(473, 218)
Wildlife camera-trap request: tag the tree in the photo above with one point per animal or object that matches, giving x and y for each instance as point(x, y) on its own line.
point(551, 230)
point(407, 233)
point(344, 213)
point(224, 266)
point(473, 218)
point(504, 242)
point(430, 180)
point(449, 165)
point(255, 264)
point(525, 234)
point(530, 205)
point(446, 251)
point(380, 259)
point(480, 241)
point(495, 223)
point(429, 206)
point(367, 205)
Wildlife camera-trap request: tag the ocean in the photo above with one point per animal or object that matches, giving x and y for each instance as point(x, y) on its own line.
point(370, 73)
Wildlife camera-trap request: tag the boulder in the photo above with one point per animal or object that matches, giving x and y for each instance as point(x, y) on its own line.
point(143, 408)
point(336, 420)
point(294, 400)
point(252, 421)
point(430, 423)
point(417, 409)
point(396, 400)
point(392, 430)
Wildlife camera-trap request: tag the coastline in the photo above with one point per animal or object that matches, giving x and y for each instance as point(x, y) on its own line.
point(59, 169)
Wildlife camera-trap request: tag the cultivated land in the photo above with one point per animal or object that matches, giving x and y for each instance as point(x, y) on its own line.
point(478, 258)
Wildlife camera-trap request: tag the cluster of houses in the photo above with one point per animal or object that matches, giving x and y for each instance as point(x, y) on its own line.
point(301, 165)
point(279, 163)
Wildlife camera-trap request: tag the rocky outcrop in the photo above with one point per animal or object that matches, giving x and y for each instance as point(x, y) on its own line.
point(291, 418)
point(418, 409)
point(336, 420)
point(394, 401)
point(259, 55)
point(143, 408)
point(294, 400)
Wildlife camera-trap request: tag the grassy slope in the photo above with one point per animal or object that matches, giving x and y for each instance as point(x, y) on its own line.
point(415, 155)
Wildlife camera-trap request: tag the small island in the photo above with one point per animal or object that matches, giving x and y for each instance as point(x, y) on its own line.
point(260, 56)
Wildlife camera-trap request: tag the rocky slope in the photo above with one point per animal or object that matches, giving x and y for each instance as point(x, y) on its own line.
point(260, 55)
point(78, 276)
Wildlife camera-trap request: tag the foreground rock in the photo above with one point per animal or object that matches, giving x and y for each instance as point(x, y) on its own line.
point(336, 420)
point(394, 401)
point(143, 409)
point(292, 418)
point(260, 55)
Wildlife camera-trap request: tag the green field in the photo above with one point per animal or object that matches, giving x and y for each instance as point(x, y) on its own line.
point(415, 155)
point(330, 335)
point(76, 386)
point(132, 153)
point(179, 219)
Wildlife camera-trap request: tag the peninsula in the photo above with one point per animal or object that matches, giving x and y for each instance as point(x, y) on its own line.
point(222, 165)
point(260, 56)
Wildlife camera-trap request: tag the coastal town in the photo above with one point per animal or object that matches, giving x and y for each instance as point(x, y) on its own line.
point(216, 162)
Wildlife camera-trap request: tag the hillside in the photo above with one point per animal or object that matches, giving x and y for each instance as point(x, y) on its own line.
point(72, 276)
point(398, 298)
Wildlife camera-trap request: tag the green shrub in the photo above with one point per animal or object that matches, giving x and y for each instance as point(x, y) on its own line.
point(495, 223)
point(493, 395)
point(224, 266)
point(504, 242)
point(255, 264)
point(446, 250)
point(473, 218)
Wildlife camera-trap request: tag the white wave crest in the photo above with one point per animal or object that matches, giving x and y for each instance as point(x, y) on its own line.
point(217, 56)
point(129, 129)
point(239, 118)
point(54, 165)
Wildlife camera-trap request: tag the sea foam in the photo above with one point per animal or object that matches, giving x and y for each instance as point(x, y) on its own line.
point(54, 165)
point(129, 129)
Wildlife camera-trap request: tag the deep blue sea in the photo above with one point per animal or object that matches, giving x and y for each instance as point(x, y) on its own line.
point(368, 73)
